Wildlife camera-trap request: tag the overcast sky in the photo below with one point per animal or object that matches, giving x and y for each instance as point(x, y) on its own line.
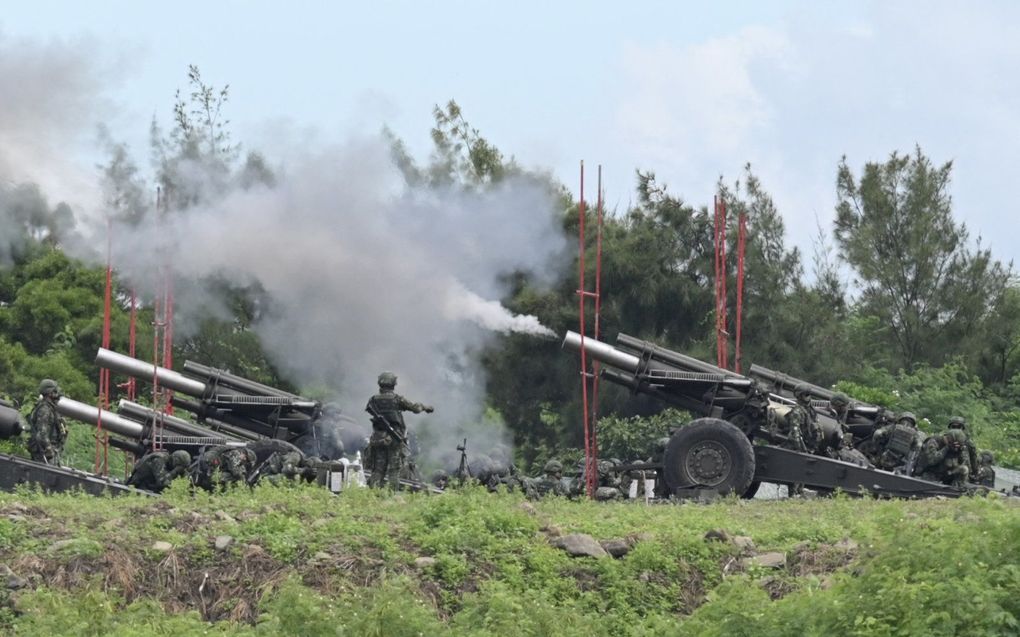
point(686, 90)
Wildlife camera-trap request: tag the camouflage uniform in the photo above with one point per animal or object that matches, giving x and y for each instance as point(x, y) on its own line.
point(985, 474)
point(284, 465)
point(156, 470)
point(48, 431)
point(944, 459)
point(800, 425)
point(958, 422)
point(388, 445)
point(221, 466)
point(551, 482)
point(896, 446)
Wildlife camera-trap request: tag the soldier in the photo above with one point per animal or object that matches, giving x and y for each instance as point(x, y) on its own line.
point(985, 474)
point(48, 431)
point(283, 465)
point(156, 470)
point(896, 447)
point(958, 422)
point(440, 479)
point(551, 480)
point(388, 444)
point(944, 458)
point(799, 424)
point(221, 466)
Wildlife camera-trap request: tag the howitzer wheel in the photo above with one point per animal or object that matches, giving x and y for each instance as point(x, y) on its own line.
point(710, 453)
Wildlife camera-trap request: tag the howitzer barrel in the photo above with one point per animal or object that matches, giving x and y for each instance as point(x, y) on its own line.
point(675, 359)
point(95, 416)
point(226, 379)
point(197, 408)
point(140, 412)
point(603, 352)
point(781, 381)
point(146, 371)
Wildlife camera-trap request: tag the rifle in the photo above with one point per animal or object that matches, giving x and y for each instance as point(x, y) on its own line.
point(378, 418)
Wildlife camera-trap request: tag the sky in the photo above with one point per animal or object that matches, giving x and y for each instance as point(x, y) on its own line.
point(689, 91)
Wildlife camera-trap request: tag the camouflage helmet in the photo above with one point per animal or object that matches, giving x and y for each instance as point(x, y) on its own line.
point(907, 415)
point(662, 443)
point(987, 457)
point(958, 422)
point(839, 399)
point(553, 466)
point(47, 386)
point(387, 379)
point(802, 391)
point(181, 458)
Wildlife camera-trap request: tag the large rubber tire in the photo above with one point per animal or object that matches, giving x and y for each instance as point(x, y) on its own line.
point(752, 490)
point(710, 453)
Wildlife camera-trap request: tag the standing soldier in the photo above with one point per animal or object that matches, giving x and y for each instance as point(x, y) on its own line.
point(48, 433)
point(388, 444)
point(985, 474)
point(157, 470)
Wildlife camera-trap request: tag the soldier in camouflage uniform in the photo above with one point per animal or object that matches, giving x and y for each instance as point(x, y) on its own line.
point(388, 444)
point(287, 465)
point(156, 470)
point(222, 466)
point(896, 447)
point(960, 423)
point(48, 431)
point(800, 425)
point(985, 474)
point(551, 482)
point(944, 458)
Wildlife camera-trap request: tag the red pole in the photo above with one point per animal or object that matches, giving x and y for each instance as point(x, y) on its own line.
point(584, 358)
point(741, 247)
point(598, 320)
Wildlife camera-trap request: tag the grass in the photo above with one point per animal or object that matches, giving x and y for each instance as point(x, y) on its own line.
point(304, 562)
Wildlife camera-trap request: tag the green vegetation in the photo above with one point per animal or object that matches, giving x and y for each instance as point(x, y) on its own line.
point(304, 562)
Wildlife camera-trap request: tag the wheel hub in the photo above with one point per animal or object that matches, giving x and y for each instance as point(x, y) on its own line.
point(708, 463)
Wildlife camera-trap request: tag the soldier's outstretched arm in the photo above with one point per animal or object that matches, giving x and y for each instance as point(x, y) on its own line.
point(407, 405)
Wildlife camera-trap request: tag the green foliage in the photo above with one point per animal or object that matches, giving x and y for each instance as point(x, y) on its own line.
point(914, 263)
point(635, 438)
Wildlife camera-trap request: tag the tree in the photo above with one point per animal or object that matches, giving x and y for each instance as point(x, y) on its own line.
point(914, 265)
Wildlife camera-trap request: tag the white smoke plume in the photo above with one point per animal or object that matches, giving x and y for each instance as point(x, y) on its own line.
point(365, 274)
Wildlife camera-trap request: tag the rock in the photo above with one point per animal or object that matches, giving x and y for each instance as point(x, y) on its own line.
point(552, 530)
point(528, 508)
point(13, 581)
point(424, 562)
point(223, 542)
point(162, 547)
point(580, 545)
point(765, 560)
point(718, 535)
point(322, 556)
point(644, 577)
point(226, 517)
point(60, 544)
point(744, 543)
point(616, 547)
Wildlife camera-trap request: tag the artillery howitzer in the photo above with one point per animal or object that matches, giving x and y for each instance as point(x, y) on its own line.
point(729, 447)
point(229, 404)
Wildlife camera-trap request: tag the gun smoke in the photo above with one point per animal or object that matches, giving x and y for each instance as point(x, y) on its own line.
point(357, 270)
